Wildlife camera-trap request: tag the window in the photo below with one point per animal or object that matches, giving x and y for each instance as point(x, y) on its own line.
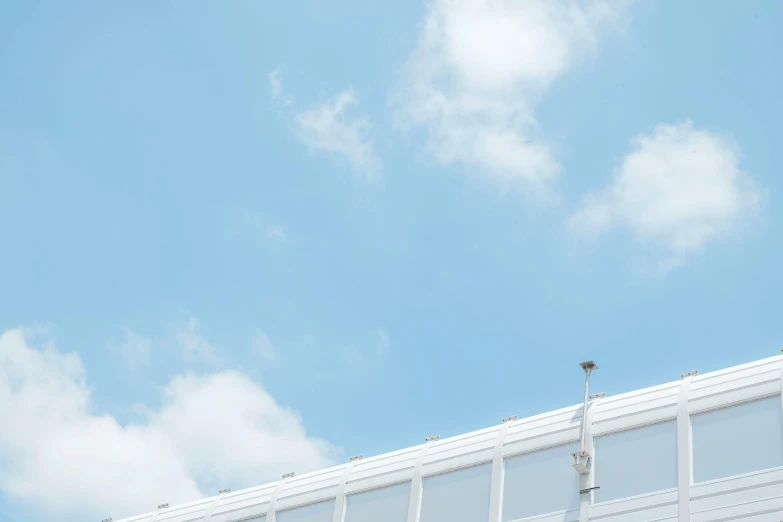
point(737, 440)
point(540, 482)
point(634, 462)
point(459, 496)
point(379, 505)
point(320, 512)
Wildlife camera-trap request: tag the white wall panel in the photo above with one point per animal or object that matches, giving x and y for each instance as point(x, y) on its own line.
point(661, 505)
point(738, 439)
point(457, 496)
point(768, 509)
point(389, 504)
point(540, 482)
point(320, 512)
point(635, 462)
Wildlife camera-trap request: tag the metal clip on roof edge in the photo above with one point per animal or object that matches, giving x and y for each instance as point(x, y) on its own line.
point(432, 438)
point(360, 456)
point(510, 418)
point(689, 374)
point(288, 475)
point(163, 506)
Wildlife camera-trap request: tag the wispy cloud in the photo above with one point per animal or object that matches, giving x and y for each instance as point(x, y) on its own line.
point(133, 348)
point(331, 128)
point(276, 88)
point(261, 227)
point(193, 345)
point(276, 233)
point(473, 81)
point(264, 348)
point(677, 190)
point(328, 127)
point(362, 356)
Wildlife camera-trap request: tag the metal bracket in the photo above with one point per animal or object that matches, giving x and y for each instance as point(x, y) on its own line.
point(432, 438)
point(599, 395)
point(588, 490)
point(582, 460)
point(689, 374)
point(227, 490)
point(510, 418)
point(360, 456)
point(288, 475)
point(588, 365)
point(163, 506)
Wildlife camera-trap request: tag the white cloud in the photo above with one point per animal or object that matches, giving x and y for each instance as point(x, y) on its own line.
point(260, 225)
point(194, 346)
point(362, 356)
point(264, 347)
point(678, 189)
point(275, 84)
point(327, 127)
point(134, 348)
point(478, 70)
point(211, 431)
point(276, 87)
point(276, 233)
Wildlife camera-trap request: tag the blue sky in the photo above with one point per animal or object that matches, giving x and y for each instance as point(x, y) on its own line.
point(395, 221)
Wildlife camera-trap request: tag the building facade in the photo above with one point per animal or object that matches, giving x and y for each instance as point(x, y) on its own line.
point(705, 448)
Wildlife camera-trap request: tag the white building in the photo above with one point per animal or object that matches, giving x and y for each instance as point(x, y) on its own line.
point(705, 448)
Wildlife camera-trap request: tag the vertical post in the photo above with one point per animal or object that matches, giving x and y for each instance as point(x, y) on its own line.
point(414, 502)
point(587, 481)
point(582, 457)
point(781, 381)
point(587, 367)
point(684, 458)
point(496, 486)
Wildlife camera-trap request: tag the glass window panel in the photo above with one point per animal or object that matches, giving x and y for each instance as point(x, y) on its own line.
point(634, 462)
point(458, 496)
point(379, 505)
point(540, 482)
point(320, 512)
point(737, 440)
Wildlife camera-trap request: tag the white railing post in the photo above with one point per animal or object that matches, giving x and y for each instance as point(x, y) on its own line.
point(496, 488)
point(684, 456)
point(414, 503)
